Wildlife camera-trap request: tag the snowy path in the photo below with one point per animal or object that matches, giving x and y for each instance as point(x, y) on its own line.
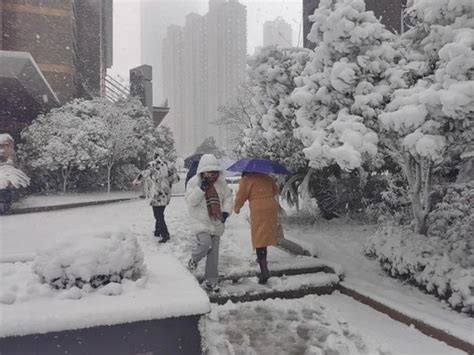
point(342, 241)
point(24, 234)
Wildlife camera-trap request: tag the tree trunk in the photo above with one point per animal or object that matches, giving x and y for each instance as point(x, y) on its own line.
point(65, 174)
point(109, 172)
point(420, 198)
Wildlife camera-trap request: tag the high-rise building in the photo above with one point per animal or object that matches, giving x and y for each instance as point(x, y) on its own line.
point(155, 18)
point(227, 53)
point(206, 60)
point(51, 52)
point(173, 82)
point(195, 81)
point(277, 32)
point(390, 13)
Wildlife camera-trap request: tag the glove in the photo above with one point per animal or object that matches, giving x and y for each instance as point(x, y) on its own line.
point(225, 215)
point(204, 184)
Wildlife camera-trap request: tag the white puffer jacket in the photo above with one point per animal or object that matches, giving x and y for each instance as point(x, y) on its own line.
point(196, 200)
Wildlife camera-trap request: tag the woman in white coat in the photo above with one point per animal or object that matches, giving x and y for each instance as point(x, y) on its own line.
point(209, 201)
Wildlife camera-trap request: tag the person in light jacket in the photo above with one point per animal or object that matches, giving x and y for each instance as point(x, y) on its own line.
point(209, 201)
point(261, 191)
point(158, 178)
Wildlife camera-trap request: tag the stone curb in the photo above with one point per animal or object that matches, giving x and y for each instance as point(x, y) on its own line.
point(72, 205)
point(423, 327)
point(67, 205)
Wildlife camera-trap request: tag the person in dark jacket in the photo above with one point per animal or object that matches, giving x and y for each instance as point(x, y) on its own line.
point(191, 172)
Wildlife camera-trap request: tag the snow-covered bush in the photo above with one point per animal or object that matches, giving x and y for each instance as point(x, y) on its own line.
point(442, 262)
point(12, 177)
point(11, 181)
point(123, 176)
point(93, 261)
point(386, 198)
point(452, 221)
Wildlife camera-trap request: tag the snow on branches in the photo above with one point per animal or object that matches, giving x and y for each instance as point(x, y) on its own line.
point(87, 134)
point(431, 120)
point(271, 75)
point(344, 87)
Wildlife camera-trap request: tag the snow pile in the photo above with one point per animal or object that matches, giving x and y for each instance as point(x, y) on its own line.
point(284, 327)
point(97, 261)
point(12, 177)
point(442, 263)
point(29, 306)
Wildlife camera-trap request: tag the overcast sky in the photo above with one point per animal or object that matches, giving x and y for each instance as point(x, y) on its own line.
point(127, 25)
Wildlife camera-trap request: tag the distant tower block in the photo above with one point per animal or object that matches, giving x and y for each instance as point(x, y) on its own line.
point(141, 86)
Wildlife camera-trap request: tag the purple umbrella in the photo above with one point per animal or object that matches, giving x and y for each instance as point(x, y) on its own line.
point(253, 165)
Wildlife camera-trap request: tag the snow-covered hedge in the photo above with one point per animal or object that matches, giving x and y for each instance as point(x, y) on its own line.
point(96, 261)
point(124, 175)
point(442, 263)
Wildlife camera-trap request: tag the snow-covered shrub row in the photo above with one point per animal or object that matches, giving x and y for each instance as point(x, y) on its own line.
point(87, 137)
point(442, 263)
point(93, 261)
point(123, 176)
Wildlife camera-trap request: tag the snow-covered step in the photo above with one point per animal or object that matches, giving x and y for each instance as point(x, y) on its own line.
point(248, 289)
point(279, 271)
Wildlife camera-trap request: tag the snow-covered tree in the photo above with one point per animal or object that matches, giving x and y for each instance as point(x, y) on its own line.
point(344, 87)
point(237, 115)
point(164, 139)
point(271, 77)
point(123, 134)
point(61, 141)
point(88, 134)
point(209, 146)
point(430, 120)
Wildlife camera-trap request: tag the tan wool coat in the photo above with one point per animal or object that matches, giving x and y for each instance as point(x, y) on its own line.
point(261, 191)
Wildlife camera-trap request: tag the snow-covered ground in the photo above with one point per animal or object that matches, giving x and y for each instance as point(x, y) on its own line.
point(235, 327)
point(342, 241)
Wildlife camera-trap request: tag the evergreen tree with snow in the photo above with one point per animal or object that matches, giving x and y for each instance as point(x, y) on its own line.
point(271, 76)
point(429, 120)
point(209, 146)
point(339, 96)
point(344, 87)
point(164, 139)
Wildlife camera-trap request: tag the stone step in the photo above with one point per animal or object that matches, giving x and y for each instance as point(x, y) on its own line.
point(247, 289)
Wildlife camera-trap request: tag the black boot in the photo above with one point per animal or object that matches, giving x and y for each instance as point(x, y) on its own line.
point(264, 273)
point(164, 239)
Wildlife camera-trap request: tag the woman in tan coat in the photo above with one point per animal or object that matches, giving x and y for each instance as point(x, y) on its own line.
point(261, 191)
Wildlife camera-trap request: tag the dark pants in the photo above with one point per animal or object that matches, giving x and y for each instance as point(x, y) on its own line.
point(160, 225)
point(261, 253)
